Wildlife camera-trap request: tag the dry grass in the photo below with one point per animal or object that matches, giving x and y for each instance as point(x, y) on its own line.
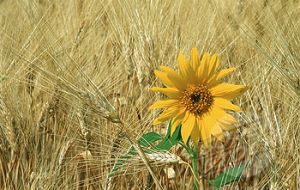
point(68, 68)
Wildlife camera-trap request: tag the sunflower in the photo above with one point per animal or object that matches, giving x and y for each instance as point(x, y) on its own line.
point(197, 98)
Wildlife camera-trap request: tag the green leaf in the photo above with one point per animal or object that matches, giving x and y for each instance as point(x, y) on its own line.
point(149, 138)
point(228, 176)
point(169, 141)
point(176, 134)
point(169, 129)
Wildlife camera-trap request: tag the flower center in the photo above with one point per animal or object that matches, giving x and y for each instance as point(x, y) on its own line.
point(197, 99)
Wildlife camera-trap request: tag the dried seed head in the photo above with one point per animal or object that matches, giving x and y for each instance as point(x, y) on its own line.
point(164, 157)
point(64, 151)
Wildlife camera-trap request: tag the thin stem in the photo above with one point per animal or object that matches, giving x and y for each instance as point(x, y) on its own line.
point(187, 148)
point(203, 169)
point(195, 157)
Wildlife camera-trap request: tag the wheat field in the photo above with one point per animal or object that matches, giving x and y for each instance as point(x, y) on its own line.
point(71, 70)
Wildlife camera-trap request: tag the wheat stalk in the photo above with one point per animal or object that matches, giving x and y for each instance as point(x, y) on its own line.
point(84, 128)
point(10, 129)
point(64, 151)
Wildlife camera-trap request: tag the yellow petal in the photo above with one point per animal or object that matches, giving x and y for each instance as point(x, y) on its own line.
point(202, 71)
point(164, 104)
point(224, 120)
point(229, 128)
point(227, 122)
point(227, 91)
point(187, 126)
point(216, 78)
point(212, 82)
point(194, 59)
point(178, 81)
point(217, 132)
point(166, 115)
point(176, 122)
point(216, 112)
point(170, 92)
point(225, 72)
point(174, 127)
point(167, 70)
point(206, 124)
point(226, 104)
point(184, 67)
point(164, 78)
point(213, 65)
point(195, 135)
point(228, 119)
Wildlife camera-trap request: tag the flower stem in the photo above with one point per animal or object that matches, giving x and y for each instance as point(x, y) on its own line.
point(195, 157)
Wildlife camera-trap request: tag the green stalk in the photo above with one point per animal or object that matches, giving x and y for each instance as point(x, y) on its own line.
point(203, 169)
point(195, 157)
